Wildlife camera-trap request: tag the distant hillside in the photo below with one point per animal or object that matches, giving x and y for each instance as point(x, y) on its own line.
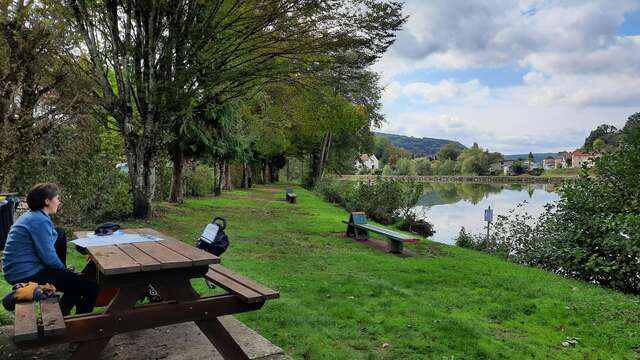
point(418, 146)
point(536, 157)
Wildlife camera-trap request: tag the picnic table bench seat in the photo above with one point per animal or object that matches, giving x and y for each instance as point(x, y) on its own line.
point(358, 228)
point(27, 326)
point(246, 289)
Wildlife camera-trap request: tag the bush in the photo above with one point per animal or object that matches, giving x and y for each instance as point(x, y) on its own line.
point(536, 172)
point(465, 239)
point(198, 180)
point(334, 191)
point(419, 226)
point(384, 200)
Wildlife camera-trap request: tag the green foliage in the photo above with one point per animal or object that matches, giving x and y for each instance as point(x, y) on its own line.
point(92, 190)
point(473, 161)
point(423, 167)
point(446, 167)
point(388, 170)
point(449, 152)
point(406, 167)
point(518, 168)
point(608, 134)
point(384, 200)
point(198, 180)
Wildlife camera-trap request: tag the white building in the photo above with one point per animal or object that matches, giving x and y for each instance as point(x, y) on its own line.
point(366, 161)
point(549, 163)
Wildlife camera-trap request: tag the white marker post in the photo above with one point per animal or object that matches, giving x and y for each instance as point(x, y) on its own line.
point(488, 217)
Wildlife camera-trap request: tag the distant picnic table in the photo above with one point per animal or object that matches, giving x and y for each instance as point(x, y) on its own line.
point(168, 265)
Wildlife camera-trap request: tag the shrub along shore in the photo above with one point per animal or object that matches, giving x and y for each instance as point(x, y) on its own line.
point(343, 300)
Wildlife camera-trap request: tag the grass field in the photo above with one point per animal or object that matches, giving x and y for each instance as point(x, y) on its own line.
point(562, 172)
point(344, 300)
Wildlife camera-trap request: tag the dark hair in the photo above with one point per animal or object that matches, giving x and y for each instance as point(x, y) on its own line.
point(39, 193)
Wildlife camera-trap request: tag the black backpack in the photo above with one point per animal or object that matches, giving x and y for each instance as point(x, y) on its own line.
point(220, 243)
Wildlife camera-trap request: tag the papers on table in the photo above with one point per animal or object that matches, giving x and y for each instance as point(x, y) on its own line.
point(209, 233)
point(117, 238)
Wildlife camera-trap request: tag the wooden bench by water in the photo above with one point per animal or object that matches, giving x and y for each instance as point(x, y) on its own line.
point(358, 227)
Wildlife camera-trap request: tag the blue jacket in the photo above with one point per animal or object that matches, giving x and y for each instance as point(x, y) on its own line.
point(30, 247)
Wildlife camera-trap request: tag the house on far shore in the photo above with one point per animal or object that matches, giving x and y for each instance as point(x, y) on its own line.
point(565, 159)
point(367, 161)
point(581, 158)
point(530, 165)
point(558, 164)
point(502, 166)
point(549, 163)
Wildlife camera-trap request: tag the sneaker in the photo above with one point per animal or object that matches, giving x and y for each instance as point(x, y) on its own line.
point(9, 301)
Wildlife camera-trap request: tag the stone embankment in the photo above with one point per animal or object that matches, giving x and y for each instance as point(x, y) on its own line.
point(466, 179)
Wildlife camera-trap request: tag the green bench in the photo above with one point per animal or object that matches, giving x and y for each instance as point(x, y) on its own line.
point(358, 228)
point(291, 196)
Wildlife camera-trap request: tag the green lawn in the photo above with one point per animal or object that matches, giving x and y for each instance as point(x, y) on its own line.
point(562, 172)
point(344, 300)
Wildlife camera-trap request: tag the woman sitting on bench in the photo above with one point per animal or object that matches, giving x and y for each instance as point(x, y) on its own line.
point(36, 251)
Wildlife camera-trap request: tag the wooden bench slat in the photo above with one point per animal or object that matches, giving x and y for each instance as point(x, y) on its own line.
point(145, 261)
point(259, 288)
point(25, 324)
point(386, 232)
point(199, 257)
point(52, 319)
point(111, 260)
point(168, 258)
point(236, 288)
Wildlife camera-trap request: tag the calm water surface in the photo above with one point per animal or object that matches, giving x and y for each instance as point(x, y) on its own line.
point(449, 206)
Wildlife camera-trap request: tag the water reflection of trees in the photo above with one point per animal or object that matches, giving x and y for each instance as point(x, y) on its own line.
point(450, 193)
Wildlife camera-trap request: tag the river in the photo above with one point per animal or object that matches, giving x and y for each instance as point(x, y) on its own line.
point(449, 206)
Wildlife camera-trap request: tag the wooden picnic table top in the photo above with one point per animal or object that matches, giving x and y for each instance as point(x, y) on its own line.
point(164, 254)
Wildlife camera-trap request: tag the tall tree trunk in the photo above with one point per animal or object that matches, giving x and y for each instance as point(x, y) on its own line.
point(143, 179)
point(227, 177)
point(246, 175)
point(177, 177)
point(217, 190)
point(288, 171)
point(319, 161)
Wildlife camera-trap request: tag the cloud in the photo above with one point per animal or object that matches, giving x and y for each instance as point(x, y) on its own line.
point(578, 71)
point(443, 91)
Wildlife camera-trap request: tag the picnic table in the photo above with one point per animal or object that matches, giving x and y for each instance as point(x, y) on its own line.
point(168, 265)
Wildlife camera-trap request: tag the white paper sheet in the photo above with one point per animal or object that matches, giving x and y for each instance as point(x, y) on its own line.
point(116, 238)
point(209, 233)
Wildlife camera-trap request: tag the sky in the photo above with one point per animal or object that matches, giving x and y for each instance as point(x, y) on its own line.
point(512, 75)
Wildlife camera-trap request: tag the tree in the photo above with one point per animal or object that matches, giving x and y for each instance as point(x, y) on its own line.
point(598, 145)
point(633, 122)
point(175, 58)
point(42, 85)
point(608, 133)
point(449, 151)
point(406, 167)
point(518, 168)
point(530, 158)
point(423, 167)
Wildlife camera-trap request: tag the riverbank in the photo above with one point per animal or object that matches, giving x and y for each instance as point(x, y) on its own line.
point(467, 179)
point(343, 300)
